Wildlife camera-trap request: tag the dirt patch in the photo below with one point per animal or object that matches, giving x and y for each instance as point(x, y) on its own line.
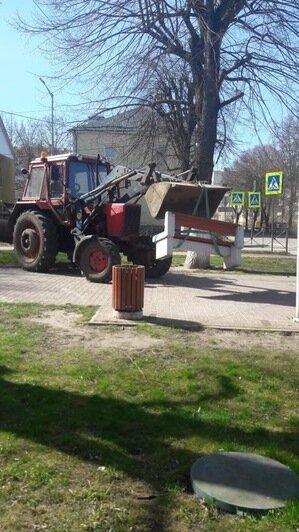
point(70, 331)
point(246, 340)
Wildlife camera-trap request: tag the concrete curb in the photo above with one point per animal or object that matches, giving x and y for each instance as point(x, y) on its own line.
point(101, 320)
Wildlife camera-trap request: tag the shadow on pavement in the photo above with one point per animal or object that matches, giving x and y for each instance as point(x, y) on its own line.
point(186, 280)
point(268, 296)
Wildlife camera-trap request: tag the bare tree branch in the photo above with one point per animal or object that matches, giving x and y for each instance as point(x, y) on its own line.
point(228, 48)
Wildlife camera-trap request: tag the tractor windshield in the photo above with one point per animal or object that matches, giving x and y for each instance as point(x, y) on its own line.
point(82, 177)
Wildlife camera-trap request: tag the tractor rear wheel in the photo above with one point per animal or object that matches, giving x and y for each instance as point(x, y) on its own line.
point(35, 241)
point(96, 259)
point(144, 253)
point(146, 257)
point(157, 268)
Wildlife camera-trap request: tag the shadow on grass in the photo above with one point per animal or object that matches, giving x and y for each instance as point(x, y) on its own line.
point(227, 390)
point(138, 439)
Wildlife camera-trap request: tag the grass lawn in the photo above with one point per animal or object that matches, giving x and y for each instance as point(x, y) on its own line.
point(266, 264)
point(99, 427)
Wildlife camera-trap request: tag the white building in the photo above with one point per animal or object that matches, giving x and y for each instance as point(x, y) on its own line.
point(125, 138)
point(7, 167)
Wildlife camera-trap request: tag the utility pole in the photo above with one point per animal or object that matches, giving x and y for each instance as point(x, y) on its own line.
point(297, 271)
point(52, 115)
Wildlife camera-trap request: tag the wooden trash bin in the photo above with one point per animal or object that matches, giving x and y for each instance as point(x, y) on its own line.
point(128, 292)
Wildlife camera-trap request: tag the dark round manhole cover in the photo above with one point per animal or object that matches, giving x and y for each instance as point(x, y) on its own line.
point(244, 482)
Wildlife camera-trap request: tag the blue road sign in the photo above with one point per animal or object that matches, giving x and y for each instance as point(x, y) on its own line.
point(237, 199)
point(254, 200)
point(273, 184)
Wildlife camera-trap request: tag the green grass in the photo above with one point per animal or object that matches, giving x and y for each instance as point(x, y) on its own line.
point(7, 258)
point(266, 264)
point(98, 441)
point(269, 264)
point(273, 265)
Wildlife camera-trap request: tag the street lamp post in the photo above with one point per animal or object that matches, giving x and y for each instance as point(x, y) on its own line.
point(52, 114)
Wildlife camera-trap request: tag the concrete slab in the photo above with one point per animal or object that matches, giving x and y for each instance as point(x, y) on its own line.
point(244, 482)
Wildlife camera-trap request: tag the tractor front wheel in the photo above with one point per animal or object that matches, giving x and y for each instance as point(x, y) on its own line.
point(35, 241)
point(96, 259)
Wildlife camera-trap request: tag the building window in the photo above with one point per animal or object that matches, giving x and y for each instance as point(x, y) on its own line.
point(110, 153)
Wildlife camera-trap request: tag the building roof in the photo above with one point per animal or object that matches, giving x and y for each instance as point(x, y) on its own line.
point(6, 147)
point(125, 121)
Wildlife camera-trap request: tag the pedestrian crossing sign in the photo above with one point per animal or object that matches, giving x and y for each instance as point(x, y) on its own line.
point(237, 199)
point(254, 200)
point(273, 184)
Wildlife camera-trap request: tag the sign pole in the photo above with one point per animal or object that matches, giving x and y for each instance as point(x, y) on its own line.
point(273, 187)
point(272, 230)
point(297, 272)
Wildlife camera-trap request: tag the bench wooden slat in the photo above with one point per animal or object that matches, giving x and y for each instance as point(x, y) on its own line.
point(205, 224)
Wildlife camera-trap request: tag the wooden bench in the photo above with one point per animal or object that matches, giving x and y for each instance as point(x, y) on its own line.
point(202, 235)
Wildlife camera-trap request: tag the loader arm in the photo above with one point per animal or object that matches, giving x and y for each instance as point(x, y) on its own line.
point(98, 196)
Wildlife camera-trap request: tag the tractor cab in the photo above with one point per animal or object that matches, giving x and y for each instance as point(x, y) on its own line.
point(58, 178)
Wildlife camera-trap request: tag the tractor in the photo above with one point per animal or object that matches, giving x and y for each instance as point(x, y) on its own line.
point(82, 206)
point(72, 204)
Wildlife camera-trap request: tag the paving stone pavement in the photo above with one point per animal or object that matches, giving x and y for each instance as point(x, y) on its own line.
point(181, 297)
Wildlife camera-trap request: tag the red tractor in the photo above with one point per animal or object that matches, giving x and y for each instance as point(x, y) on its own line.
point(70, 204)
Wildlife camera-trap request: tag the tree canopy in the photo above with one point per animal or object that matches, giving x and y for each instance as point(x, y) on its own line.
point(237, 54)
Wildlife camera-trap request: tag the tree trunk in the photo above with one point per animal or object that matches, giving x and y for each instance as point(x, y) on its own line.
point(255, 215)
point(195, 260)
point(265, 218)
point(207, 105)
point(185, 149)
point(206, 136)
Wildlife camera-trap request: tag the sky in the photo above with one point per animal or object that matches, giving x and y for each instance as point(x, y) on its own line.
point(22, 64)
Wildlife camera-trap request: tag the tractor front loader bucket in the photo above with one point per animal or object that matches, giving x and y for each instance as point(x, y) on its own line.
point(186, 198)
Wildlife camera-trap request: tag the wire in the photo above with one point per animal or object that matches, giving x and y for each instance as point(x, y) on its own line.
point(24, 116)
point(44, 120)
